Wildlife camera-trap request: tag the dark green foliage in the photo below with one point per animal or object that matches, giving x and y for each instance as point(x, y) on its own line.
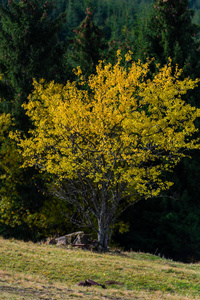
point(88, 45)
point(116, 18)
point(4, 2)
point(165, 227)
point(170, 225)
point(29, 49)
point(171, 33)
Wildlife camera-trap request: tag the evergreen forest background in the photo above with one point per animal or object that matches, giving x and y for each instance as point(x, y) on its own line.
point(44, 39)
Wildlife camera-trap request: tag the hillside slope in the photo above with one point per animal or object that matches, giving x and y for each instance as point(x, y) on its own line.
point(33, 271)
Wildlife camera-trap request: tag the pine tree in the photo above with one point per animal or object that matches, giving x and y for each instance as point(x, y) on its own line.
point(88, 45)
point(29, 48)
point(171, 33)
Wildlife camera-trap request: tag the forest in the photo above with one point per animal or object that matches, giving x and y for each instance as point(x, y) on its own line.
point(47, 50)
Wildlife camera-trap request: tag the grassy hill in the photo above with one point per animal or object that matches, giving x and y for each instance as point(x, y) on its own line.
point(33, 271)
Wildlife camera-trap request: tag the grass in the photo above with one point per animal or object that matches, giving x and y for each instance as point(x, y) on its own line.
point(33, 271)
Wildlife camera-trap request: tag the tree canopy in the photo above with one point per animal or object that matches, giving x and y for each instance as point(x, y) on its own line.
point(114, 142)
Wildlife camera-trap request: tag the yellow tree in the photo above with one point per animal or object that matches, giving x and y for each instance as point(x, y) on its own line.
point(113, 144)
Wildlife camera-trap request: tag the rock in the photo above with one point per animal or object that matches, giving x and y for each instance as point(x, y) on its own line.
point(62, 241)
point(78, 238)
point(82, 239)
point(72, 236)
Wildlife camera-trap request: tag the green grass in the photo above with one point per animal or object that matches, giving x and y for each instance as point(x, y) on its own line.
point(33, 271)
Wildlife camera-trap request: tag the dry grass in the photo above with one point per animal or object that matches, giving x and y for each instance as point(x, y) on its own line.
point(31, 271)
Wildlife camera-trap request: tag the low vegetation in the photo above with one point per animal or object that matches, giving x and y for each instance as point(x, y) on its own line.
point(39, 271)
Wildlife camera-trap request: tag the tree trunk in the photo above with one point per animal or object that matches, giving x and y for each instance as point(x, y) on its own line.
point(103, 230)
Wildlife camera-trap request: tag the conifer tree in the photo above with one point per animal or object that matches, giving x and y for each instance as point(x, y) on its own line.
point(29, 48)
point(88, 45)
point(171, 33)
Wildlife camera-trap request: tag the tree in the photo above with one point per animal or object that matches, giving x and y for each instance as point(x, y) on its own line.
point(113, 144)
point(29, 48)
point(88, 45)
point(170, 32)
